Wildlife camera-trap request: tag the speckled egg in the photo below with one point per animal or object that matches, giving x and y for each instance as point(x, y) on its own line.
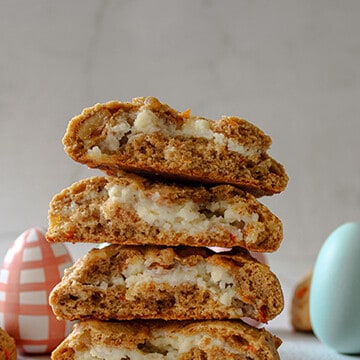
point(335, 290)
point(31, 268)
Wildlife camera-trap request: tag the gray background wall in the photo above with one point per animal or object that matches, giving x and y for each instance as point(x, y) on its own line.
point(289, 66)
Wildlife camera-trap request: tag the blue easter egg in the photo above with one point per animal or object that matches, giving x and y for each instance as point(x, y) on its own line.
point(335, 290)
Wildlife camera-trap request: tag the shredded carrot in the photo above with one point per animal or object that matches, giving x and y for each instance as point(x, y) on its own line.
point(262, 316)
point(7, 355)
point(121, 297)
point(69, 235)
point(186, 114)
point(232, 238)
point(302, 291)
point(251, 348)
point(232, 122)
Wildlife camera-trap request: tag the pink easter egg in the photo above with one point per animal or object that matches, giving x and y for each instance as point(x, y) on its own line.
point(31, 268)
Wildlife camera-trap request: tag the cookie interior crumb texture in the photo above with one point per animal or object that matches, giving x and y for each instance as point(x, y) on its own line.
point(132, 210)
point(128, 282)
point(146, 136)
point(139, 340)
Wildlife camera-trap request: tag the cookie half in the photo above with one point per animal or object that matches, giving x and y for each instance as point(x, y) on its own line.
point(146, 136)
point(180, 283)
point(135, 211)
point(133, 340)
point(300, 313)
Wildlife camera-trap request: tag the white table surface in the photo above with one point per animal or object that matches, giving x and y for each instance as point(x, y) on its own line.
point(298, 346)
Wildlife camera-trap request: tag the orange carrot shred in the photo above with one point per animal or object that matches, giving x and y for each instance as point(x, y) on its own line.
point(186, 114)
point(302, 291)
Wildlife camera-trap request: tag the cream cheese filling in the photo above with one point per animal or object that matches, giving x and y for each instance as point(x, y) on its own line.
point(146, 122)
point(187, 216)
point(206, 276)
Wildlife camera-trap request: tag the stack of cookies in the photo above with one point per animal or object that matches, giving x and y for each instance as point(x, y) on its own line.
point(176, 186)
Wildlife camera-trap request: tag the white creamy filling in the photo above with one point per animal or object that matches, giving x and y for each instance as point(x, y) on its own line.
point(184, 217)
point(163, 347)
point(147, 122)
point(204, 276)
